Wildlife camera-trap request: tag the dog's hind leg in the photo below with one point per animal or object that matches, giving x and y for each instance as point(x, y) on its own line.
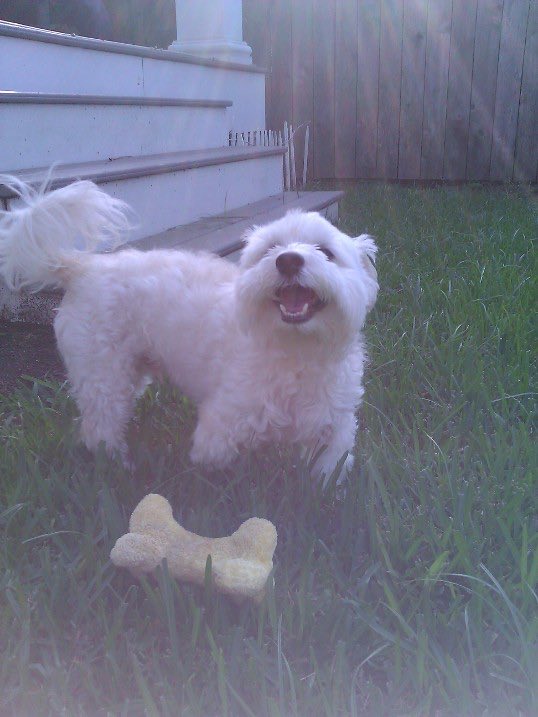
point(106, 405)
point(105, 385)
point(105, 411)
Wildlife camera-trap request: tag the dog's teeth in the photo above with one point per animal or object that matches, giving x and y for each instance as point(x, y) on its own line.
point(293, 314)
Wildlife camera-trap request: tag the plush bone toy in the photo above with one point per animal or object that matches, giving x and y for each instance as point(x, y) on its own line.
point(240, 563)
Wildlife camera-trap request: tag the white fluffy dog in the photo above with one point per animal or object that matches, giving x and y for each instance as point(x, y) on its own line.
point(270, 351)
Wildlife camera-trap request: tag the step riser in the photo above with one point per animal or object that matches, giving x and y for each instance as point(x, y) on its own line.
point(30, 66)
point(167, 200)
point(38, 135)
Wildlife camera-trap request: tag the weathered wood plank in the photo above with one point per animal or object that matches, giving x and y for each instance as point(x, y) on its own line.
point(390, 66)
point(223, 234)
point(435, 88)
point(509, 76)
point(459, 88)
point(368, 23)
point(412, 95)
point(280, 79)
point(324, 126)
point(526, 162)
point(302, 60)
point(484, 83)
point(257, 33)
point(345, 109)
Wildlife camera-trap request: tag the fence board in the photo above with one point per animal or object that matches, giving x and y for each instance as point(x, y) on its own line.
point(412, 95)
point(345, 109)
point(303, 76)
point(368, 24)
point(484, 85)
point(323, 126)
point(256, 27)
point(435, 88)
point(280, 78)
point(512, 46)
point(526, 164)
point(459, 88)
point(390, 66)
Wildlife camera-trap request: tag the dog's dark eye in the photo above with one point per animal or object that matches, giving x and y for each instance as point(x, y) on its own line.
point(328, 253)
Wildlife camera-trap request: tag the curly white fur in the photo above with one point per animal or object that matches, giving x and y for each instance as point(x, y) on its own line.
point(268, 353)
point(37, 239)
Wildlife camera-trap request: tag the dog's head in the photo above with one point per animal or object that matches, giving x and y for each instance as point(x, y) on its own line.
point(301, 274)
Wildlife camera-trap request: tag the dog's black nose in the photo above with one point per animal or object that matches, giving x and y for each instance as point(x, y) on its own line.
point(289, 263)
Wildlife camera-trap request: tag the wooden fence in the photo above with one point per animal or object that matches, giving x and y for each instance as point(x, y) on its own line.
point(404, 89)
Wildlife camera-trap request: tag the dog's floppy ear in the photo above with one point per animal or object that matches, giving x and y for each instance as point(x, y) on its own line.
point(367, 250)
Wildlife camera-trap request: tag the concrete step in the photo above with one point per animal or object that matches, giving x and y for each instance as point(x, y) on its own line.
point(220, 234)
point(41, 128)
point(171, 189)
point(35, 60)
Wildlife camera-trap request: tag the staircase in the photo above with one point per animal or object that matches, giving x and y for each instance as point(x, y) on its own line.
point(150, 126)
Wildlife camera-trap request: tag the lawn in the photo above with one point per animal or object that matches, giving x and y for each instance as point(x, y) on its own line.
point(413, 595)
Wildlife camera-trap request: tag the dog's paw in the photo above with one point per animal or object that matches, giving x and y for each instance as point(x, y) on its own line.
point(213, 454)
point(328, 469)
point(347, 467)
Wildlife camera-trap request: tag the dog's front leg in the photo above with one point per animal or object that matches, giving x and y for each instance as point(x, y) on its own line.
point(218, 434)
point(341, 441)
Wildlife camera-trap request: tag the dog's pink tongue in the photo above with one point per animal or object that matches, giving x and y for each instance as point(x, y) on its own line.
point(295, 297)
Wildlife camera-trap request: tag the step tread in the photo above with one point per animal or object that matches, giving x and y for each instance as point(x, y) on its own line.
point(26, 32)
point(222, 233)
point(51, 98)
point(112, 170)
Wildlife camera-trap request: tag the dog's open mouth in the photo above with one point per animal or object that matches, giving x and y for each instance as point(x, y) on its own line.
point(297, 303)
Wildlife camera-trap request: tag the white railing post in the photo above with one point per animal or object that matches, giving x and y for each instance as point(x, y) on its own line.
point(212, 29)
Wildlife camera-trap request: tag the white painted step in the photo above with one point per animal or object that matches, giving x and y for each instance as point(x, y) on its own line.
point(35, 60)
point(221, 234)
point(167, 190)
point(38, 129)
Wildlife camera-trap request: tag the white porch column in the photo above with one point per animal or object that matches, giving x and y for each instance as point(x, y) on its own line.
point(213, 29)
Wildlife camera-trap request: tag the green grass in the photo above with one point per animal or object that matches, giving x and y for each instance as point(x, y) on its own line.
point(416, 595)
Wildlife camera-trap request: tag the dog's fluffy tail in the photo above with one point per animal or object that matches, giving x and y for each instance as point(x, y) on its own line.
point(40, 239)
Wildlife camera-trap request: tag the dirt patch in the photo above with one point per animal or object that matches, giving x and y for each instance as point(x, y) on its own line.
point(28, 350)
